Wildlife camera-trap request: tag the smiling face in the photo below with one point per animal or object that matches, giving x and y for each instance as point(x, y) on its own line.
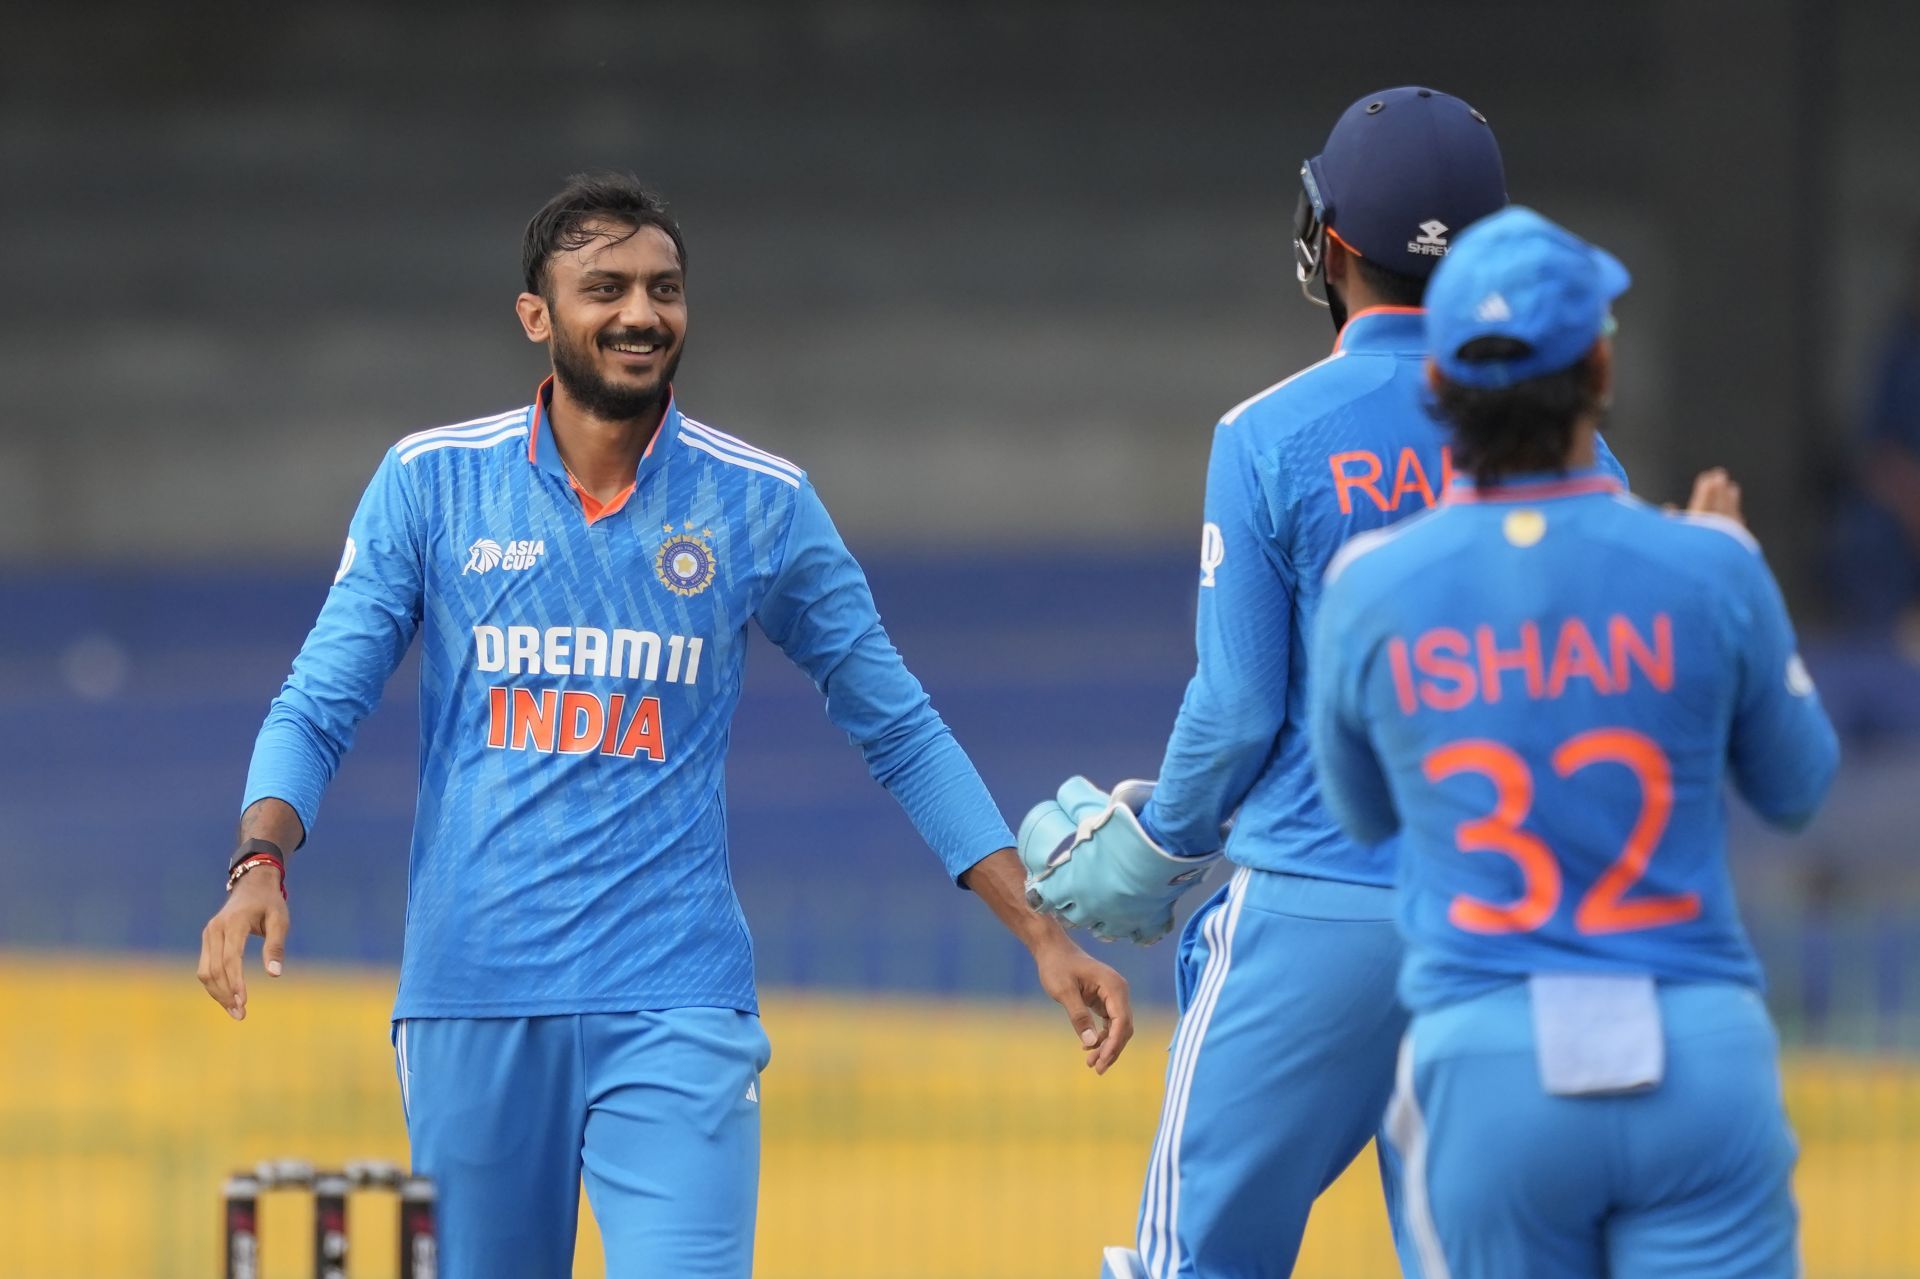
point(614, 317)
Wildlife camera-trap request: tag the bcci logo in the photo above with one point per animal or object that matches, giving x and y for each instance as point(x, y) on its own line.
point(487, 554)
point(685, 563)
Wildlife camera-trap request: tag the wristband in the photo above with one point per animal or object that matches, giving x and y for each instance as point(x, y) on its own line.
point(251, 860)
point(248, 847)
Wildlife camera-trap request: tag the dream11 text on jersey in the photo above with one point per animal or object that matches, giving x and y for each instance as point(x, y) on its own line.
point(579, 721)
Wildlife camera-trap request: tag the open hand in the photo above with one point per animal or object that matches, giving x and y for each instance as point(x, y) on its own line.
point(1094, 995)
point(254, 908)
point(1716, 493)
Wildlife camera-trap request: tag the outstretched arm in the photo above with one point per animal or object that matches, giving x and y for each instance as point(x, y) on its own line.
point(1236, 702)
point(364, 628)
point(257, 907)
point(1782, 750)
point(820, 612)
point(1094, 995)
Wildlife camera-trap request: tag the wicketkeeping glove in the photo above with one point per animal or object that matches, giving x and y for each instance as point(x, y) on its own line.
point(1090, 862)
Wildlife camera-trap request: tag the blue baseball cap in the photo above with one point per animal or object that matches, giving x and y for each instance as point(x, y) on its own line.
point(1517, 275)
point(1402, 172)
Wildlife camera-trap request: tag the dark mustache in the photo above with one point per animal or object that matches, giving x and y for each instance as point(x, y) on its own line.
point(651, 337)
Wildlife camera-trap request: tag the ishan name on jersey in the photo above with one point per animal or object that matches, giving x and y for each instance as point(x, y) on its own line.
point(573, 721)
point(1446, 669)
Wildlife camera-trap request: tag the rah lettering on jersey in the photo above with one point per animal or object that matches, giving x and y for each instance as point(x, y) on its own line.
point(1363, 471)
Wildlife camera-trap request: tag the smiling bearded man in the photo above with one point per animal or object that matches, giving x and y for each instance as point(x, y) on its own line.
point(576, 993)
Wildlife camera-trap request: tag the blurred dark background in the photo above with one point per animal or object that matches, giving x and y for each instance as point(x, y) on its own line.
point(990, 271)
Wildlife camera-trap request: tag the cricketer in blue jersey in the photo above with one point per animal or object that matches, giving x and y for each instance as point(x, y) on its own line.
point(576, 995)
point(1543, 687)
point(1282, 1062)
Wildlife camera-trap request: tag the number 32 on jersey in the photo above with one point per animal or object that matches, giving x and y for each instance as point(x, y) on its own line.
point(1605, 908)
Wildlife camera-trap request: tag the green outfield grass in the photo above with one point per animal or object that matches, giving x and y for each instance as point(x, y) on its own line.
point(955, 1140)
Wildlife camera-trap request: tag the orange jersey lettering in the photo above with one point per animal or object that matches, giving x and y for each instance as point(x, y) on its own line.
point(1361, 470)
point(574, 722)
point(1445, 670)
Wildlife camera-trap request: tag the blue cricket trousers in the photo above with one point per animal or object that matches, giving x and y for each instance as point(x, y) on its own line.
point(1280, 1072)
point(659, 1111)
point(1689, 1180)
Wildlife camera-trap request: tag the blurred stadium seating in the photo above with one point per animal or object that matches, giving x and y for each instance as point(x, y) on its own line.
point(926, 1113)
point(1026, 249)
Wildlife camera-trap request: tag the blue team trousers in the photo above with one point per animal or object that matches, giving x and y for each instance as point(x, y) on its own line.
point(1280, 1071)
point(659, 1110)
point(1690, 1180)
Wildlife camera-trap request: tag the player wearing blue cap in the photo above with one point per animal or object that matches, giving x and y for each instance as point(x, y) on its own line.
point(576, 994)
point(1282, 1062)
point(1543, 687)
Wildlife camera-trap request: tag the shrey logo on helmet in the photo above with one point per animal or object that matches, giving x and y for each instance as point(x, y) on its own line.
point(1399, 160)
point(1432, 241)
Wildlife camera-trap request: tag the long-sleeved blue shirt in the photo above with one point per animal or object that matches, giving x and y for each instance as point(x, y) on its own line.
point(580, 668)
point(1543, 688)
point(1342, 447)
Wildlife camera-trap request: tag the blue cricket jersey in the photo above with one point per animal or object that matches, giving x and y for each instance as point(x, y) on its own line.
point(1342, 447)
point(580, 665)
point(1543, 688)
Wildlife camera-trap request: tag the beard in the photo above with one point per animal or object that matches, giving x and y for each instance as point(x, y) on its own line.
point(574, 369)
point(1336, 307)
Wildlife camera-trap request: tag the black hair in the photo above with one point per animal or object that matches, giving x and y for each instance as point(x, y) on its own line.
point(1391, 287)
point(1513, 430)
point(603, 197)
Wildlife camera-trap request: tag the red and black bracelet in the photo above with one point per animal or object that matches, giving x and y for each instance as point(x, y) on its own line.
point(257, 852)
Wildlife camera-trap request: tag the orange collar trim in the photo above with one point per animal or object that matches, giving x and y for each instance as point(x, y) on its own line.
point(540, 394)
point(1341, 337)
point(1465, 491)
point(596, 510)
point(539, 416)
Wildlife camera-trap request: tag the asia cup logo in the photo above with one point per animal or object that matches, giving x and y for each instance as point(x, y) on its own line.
point(481, 556)
point(685, 563)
